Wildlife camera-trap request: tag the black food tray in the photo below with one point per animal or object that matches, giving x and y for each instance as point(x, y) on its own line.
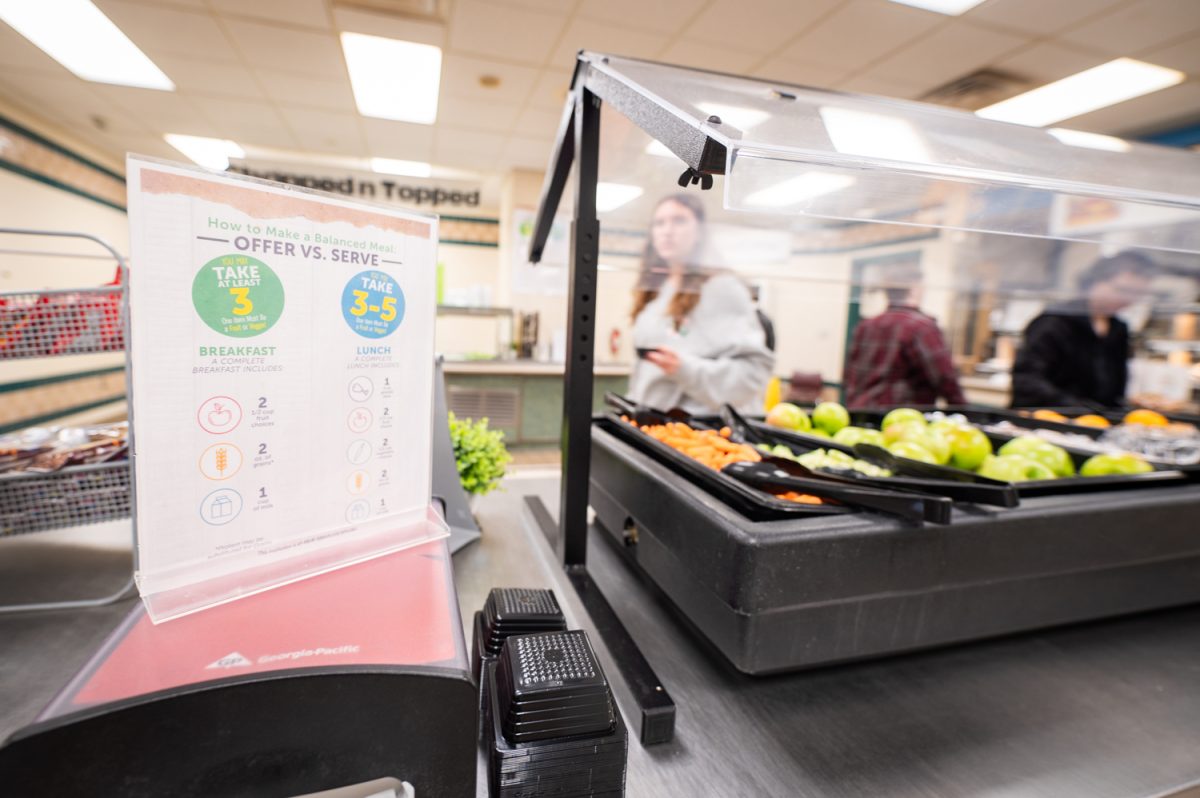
point(787, 594)
point(746, 500)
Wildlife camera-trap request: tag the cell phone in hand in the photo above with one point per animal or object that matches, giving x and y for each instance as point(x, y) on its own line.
point(642, 351)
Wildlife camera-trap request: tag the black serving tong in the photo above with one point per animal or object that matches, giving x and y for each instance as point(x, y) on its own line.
point(741, 428)
point(644, 414)
point(953, 482)
point(778, 474)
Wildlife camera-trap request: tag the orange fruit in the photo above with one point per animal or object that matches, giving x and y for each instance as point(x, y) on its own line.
point(1049, 415)
point(1092, 420)
point(1147, 418)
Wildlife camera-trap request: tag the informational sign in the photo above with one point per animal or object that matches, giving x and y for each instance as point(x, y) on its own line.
point(422, 193)
point(281, 352)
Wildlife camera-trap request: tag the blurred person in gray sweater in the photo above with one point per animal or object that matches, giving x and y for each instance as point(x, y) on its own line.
point(707, 341)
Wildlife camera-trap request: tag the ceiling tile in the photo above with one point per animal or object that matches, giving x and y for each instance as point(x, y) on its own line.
point(565, 6)
point(453, 138)
point(477, 114)
point(1046, 62)
point(306, 52)
point(1151, 112)
point(537, 123)
point(154, 146)
point(527, 153)
point(161, 111)
point(704, 55)
point(1136, 27)
point(398, 140)
point(1184, 56)
point(68, 100)
point(800, 74)
point(18, 53)
point(497, 31)
point(326, 131)
point(762, 25)
point(246, 122)
point(162, 30)
point(655, 17)
point(945, 54)
point(460, 78)
point(309, 13)
point(287, 88)
point(882, 87)
point(476, 160)
point(583, 34)
point(354, 20)
point(859, 33)
point(1037, 17)
point(210, 77)
point(551, 89)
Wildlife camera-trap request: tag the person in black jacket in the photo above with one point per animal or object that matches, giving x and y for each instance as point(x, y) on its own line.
point(1075, 354)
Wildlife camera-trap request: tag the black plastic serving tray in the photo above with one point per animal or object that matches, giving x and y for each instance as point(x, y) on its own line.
point(748, 501)
point(793, 593)
point(1047, 487)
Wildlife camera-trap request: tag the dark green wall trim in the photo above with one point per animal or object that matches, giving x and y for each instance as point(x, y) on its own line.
point(66, 411)
point(50, 181)
point(22, 385)
point(475, 220)
point(45, 142)
point(490, 244)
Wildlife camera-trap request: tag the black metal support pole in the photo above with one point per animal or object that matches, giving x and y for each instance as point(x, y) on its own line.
point(581, 328)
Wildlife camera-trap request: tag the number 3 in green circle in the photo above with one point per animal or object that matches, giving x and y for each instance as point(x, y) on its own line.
point(237, 295)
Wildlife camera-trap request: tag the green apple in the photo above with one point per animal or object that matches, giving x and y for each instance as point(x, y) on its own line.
point(900, 415)
point(904, 431)
point(820, 433)
point(1013, 468)
point(789, 416)
point(945, 427)
point(912, 450)
point(873, 436)
point(1104, 464)
point(1048, 454)
point(848, 436)
point(1021, 444)
point(830, 416)
point(937, 444)
point(968, 448)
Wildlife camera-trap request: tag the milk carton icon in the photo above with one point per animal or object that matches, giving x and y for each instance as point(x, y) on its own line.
point(221, 507)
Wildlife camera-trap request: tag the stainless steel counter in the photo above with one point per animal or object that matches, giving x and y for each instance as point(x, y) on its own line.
point(1098, 710)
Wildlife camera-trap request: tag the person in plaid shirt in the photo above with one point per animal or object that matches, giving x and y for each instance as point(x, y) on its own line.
point(899, 358)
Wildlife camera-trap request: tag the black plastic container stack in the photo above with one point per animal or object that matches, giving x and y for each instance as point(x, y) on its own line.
point(509, 611)
point(554, 727)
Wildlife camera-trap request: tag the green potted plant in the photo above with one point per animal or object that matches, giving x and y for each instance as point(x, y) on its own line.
point(479, 454)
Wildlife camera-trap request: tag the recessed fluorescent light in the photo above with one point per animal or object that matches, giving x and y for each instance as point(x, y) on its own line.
point(77, 35)
point(393, 79)
point(212, 153)
point(656, 147)
point(394, 166)
point(873, 135)
point(1099, 87)
point(949, 7)
point(736, 115)
point(1095, 141)
point(610, 196)
point(798, 189)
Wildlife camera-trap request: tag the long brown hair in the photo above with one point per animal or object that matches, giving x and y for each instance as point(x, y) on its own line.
point(654, 270)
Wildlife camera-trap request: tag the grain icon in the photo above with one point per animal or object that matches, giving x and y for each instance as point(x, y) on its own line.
point(222, 458)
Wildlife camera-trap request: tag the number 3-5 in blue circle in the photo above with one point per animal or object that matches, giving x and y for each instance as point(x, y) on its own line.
point(373, 304)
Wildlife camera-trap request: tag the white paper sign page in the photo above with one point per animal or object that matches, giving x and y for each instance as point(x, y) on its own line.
point(281, 351)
